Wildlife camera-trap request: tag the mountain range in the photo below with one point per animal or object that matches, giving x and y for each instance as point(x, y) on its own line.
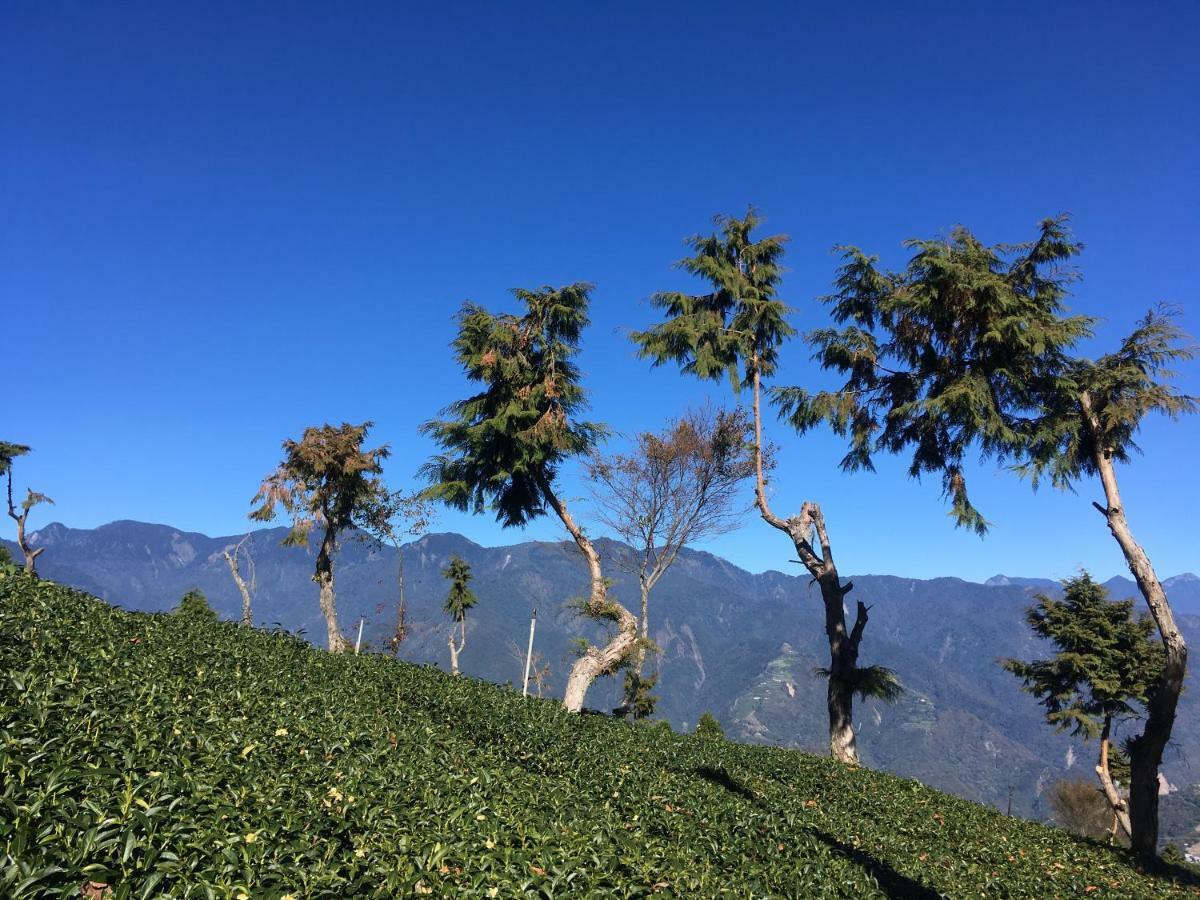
point(740, 645)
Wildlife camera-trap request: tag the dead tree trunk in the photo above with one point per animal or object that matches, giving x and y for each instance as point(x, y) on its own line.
point(595, 661)
point(243, 588)
point(30, 553)
point(1147, 748)
point(1115, 800)
point(324, 580)
point(457, 649)
point(843, 644)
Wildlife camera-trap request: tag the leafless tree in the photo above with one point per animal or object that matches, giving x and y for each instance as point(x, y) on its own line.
point(539, 669)
point(672, 489)
point(247, 588)
point(397, 516)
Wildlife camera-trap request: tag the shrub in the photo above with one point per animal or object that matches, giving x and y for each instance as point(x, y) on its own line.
point(173, 756)
point(194, 604)
point(709, 728)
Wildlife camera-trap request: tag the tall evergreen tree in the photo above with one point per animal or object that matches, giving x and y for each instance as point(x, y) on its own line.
point(735, 332)
point(1101, 672)
point(327, 481)
point(459, 599)
point(503, 446)
point(969, 349)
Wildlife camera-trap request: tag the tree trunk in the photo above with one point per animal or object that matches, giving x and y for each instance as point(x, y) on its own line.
point(324, 580)
point(1147, 749)
point(243, 588)
point(401, 631)
point(455, 650)
point(639, 664)
point(1120, 813)
point(843, 647)
point(29, 553)
point(595, 661)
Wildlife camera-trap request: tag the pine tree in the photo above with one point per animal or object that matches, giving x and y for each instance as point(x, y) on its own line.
point(326, 480)
point(969, 349)
point(503, 446)
point(1102, 670)
point(735, 332)
point(459, 599)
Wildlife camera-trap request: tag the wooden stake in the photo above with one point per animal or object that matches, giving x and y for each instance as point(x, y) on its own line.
point(529, 655)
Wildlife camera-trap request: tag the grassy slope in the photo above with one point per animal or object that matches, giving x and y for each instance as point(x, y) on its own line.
point(169, 757)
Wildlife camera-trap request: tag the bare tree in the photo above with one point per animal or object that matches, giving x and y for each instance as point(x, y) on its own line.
point(400, 515)
point(675, 487)
point(9, 452)
point(246, 588)
point(539, 669)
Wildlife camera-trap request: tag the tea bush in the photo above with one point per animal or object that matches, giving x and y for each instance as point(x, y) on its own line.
point(173, 756)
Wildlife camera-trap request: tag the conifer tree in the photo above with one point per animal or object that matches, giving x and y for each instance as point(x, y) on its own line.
point(969, 349)
point(327, 481)
point(503, 446)
point(735, 332)
point(20, 514)
point(459, 599)
point(1101, 672)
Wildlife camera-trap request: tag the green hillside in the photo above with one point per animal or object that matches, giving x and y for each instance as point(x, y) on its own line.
point(168, 756)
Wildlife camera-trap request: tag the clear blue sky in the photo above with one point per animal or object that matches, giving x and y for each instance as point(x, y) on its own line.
point(222, 222)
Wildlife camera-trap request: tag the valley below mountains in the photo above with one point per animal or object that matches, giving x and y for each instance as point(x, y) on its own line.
point(740, 645)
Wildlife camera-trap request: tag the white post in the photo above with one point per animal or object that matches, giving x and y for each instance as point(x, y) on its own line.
point(529, 655)
point(358, 643)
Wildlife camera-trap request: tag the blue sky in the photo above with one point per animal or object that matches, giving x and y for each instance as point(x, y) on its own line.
point(223, 222)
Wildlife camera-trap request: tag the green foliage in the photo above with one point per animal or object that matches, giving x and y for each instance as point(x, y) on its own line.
point(326, 479)
point(194, 604)
point(879, 682)
point(460, 597)
point(503, 446)
point(130, 757)
point(955, 352)
point(8, 452)
point(741, 324)
point(639, 702)
point(1105, 660)
point(709, 729)
point(1120, 389)
point(5, 557)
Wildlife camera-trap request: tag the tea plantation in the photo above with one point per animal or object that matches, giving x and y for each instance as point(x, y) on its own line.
point(172, 756)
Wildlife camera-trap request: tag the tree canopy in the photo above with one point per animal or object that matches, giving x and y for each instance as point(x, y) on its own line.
point(460, 597)
point(952, 353)
point(741, 323)
point(1105, 659)
point(503, 445)
point(327, 479)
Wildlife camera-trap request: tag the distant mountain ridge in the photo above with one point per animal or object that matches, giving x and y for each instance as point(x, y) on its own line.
point(740, 645)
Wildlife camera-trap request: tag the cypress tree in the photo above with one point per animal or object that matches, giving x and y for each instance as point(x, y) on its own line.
point(504, 445)
point(1104, 664)
point(459, 599)
point(969, 349)
point(735, 332)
